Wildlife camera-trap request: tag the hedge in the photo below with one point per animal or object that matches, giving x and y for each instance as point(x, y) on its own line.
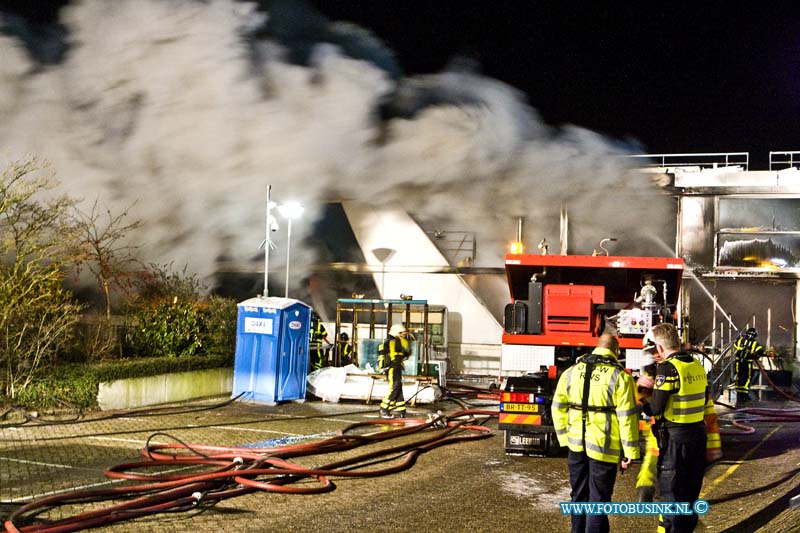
point(76, 384)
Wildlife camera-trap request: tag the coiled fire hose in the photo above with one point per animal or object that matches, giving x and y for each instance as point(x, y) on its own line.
point(234, 471)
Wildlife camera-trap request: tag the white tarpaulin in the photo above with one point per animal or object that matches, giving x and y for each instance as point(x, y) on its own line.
point(352, 383)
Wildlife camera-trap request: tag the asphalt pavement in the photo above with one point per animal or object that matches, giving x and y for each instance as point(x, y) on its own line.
point(451, 485)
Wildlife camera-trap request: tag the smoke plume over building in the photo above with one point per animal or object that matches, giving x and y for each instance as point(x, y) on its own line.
point(187, 110)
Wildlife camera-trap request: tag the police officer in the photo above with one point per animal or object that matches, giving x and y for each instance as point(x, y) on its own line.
point(648, 473)
point(391, 355)
point(594, 415)
point(678, 403)
point(746, 349)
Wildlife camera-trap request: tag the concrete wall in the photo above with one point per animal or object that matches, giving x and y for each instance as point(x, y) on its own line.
point(166, 388)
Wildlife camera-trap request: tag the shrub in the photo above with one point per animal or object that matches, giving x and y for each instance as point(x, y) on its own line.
point(173, 318)
point(77, 384)
point(177, 329)
point(168, 329)
point(218, 325)
point(37, 314)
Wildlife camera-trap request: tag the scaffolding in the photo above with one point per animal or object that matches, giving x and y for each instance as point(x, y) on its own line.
point(367, 322)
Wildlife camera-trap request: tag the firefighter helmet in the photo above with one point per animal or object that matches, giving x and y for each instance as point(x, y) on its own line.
point(344, 336)
point(751, 334)
point(397, 329)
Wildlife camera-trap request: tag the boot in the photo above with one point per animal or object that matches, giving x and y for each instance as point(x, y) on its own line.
point(742, 399)
point(384, 413)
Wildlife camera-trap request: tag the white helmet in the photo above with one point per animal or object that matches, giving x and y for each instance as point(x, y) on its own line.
point(397, 329)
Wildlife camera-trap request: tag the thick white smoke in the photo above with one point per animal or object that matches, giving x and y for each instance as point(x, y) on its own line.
point(159, 104)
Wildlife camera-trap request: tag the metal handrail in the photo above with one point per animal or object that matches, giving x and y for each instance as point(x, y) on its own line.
point(702, 160)
point(784, 159)
point(456, 245)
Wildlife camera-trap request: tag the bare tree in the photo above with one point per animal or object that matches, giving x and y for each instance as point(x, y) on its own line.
point(107, 254)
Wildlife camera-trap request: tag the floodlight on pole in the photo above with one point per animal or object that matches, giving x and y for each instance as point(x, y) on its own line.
point(290, 211)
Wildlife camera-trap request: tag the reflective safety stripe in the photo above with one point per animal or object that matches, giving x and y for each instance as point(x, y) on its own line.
point(516, 418)
point(611, 454)
point(593, 408)
point(612, 386)
point(568, 376)
point(688, 410)
point(692, 397)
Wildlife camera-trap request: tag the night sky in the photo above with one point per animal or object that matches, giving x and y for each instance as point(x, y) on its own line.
point(713, 77)
point(706, 77)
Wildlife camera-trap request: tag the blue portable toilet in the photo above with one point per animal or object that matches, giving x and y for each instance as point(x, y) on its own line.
point(271, 349)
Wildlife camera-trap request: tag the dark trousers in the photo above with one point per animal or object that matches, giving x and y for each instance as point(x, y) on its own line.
point(591, 481)
point(394, 400)
point(681, 465)
point(315, 356)
point(744, 372)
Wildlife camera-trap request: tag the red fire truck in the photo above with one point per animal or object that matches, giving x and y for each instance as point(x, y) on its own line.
point(560, 305)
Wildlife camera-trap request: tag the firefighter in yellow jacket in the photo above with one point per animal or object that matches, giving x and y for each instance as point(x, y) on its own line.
point(318, 335)
point(746, 349)
point(595, 417)
point(392, 353)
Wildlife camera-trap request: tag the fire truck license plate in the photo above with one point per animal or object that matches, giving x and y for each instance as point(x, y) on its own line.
point(521, 407)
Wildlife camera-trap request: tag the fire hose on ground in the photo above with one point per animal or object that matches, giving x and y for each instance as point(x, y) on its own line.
point(235, 471)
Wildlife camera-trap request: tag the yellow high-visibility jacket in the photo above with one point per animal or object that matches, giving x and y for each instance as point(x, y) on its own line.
point(713, 439)
point(611, 427)
point(687, 401)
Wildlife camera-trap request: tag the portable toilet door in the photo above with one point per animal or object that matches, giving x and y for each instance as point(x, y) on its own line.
point(271, 349)
point(293, 360)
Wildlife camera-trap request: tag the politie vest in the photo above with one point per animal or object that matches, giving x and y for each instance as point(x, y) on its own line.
point(688, 404)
